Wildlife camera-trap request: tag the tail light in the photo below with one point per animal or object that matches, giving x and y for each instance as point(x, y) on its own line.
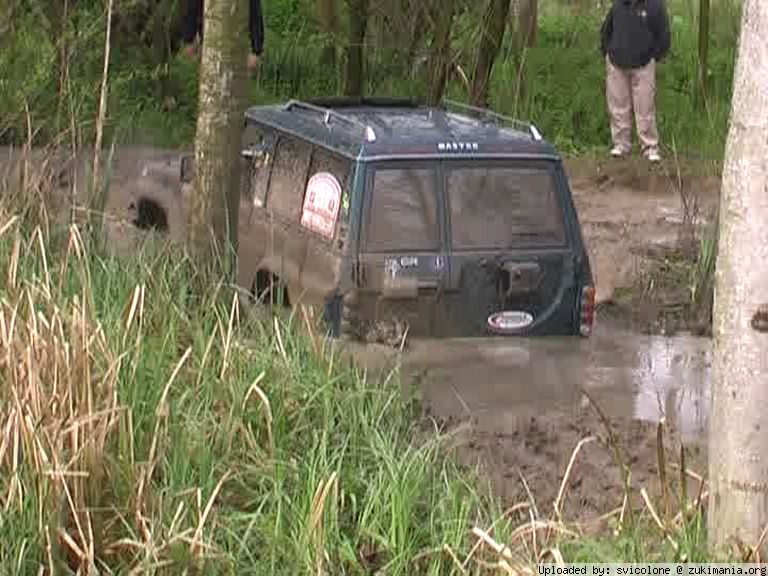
point(587, 310)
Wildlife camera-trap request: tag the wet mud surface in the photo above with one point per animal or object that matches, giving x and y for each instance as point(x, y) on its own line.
point(517, 409)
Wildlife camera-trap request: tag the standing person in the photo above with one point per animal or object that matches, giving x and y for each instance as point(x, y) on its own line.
point(634, 37)
point(193, 26)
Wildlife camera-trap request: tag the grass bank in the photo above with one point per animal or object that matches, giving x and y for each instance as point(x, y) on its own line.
point(560, 89)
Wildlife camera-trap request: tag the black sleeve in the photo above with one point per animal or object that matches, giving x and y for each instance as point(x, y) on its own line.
point(256, 26)
point(660, 30)
point(192, 20)
point(606, 30)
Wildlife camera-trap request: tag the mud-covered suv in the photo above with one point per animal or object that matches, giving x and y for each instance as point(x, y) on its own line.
point(450, 221)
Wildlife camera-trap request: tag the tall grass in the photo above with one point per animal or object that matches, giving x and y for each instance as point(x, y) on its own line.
point(147, 426)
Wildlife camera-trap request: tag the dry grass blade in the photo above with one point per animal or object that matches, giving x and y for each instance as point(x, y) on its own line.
point(755, 550)
point(662, 468)
point(556, 555)
point(683, 477)
point(447, 549)
point(563, 485)
point(280, 345)
point(197, 538)
point(134, 310)
point(8, 225)
point(256, 389)
point(228, 339)
point(315, 526)
point(618, 456)
point(528, 492)
point(500, 549)
point(103, 99)
point(656, 518)
point(535, 526)
point(311, 331)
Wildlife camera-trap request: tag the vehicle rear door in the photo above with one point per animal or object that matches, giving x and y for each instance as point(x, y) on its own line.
point(509, 249)
point(401, 264)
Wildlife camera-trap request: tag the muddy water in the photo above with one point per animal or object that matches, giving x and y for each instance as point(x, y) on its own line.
point(631, 376)
point(518, 409)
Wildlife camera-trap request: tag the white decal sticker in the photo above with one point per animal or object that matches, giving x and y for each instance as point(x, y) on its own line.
point(321, 204)
point(391, 267)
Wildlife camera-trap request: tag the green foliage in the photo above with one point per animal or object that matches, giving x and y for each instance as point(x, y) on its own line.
point(561, 87)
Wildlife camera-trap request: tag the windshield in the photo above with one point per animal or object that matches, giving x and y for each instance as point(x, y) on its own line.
point(497, 207)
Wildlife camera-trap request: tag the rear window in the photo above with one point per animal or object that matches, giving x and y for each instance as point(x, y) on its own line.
point(403, 212)
point(289, 175)
point(495, 207)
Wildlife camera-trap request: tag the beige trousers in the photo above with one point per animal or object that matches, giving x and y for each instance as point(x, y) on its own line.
point(628, 90)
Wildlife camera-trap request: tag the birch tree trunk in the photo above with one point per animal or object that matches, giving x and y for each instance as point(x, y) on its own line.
point(213, 213)
point(440, 51)
point(492, 33)
point(738, 440)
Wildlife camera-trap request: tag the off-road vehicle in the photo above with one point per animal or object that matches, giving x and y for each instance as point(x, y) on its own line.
point(450, 220)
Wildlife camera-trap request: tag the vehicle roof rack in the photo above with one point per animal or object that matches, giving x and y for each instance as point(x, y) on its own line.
point(450, 105)
point(355, 101)
point(329, 115)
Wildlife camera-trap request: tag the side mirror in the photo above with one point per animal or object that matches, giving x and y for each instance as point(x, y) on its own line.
point(187, 168)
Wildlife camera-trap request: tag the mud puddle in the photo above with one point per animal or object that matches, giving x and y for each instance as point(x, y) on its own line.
point(517, 410)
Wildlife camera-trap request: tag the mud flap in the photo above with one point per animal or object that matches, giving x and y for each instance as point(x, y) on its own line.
point(332, 309)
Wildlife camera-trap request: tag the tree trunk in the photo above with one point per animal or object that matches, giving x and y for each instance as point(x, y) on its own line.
point(358, 22)
point(328, 18)
point(415, 31)
point(213, 214)
point(527, 24)
point(703, 47)
point(738, 440)
point(440, 53)
point(492, 34)
point(160, 24)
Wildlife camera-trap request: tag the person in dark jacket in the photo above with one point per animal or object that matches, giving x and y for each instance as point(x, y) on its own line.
point(634, 37)
point(193, 26)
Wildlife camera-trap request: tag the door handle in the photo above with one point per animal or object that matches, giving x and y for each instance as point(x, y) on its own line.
point(428, 285)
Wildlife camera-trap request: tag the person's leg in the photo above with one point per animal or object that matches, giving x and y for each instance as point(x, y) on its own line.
point(256, 32)
point(191, 25)
point(644, 97)
point(619, 96)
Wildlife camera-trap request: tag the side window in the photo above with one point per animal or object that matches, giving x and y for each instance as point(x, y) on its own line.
point(403, 211)
point(289, 174)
